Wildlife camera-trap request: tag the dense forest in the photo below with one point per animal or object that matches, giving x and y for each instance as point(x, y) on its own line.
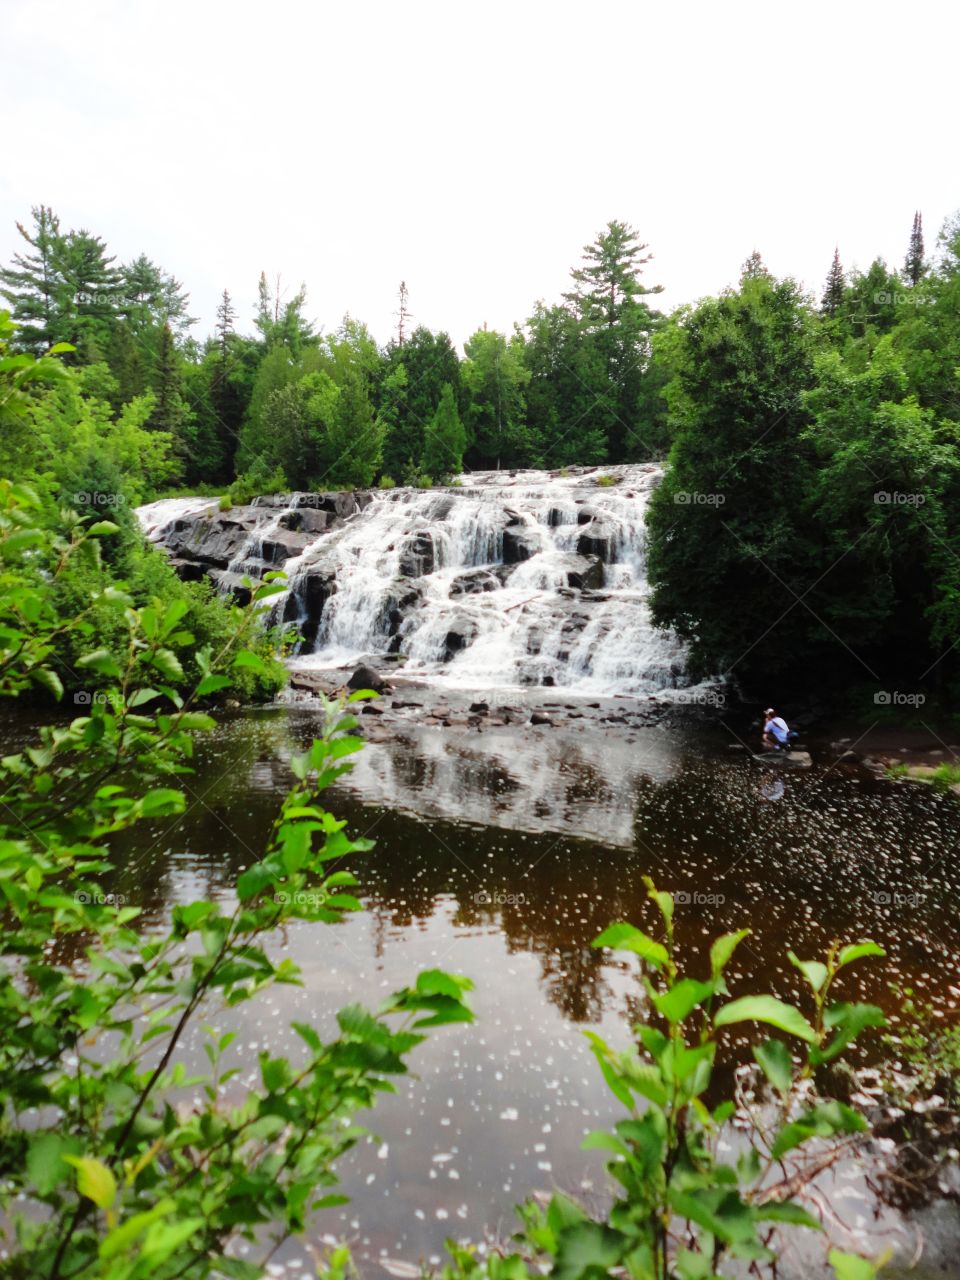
point(807, 514)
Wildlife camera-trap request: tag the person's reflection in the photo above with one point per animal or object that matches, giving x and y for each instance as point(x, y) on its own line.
point(772, 789)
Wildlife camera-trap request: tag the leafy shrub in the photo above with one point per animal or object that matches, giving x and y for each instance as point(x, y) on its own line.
point(683, 1210)
point(387, 482)
point(104, 1177)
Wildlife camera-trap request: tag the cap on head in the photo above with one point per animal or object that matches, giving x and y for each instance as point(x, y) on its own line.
point(769, 711)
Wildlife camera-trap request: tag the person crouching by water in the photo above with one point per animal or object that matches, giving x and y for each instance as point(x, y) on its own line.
point(776, 734)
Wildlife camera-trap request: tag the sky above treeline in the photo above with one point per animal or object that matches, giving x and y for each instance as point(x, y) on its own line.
point(472, 149)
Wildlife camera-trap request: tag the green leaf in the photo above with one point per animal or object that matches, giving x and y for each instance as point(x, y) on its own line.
point(246, 658)
point(850, 1266)
point(140, 696)
point(101, 661)
point(167, 663)
point(774, 1059)
point(770, 1010)
point(624, 937)
point(857, 951)
point(120, 1239)
point(814, 971)
point(101, 527)
point(850, 1020)
point(587, 1249)
point(94, 1180)
point(50, 680)
point(723, 948)
point(683, 997)
point(787, 1211)
point(212, 684)
point(46, 1163)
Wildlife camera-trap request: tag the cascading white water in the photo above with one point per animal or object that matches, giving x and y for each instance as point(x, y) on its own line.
point(435, 559)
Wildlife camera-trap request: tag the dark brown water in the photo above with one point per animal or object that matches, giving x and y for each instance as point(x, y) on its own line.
point(501, 855)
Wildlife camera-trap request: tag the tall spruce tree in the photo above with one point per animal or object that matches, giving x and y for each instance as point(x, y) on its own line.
point(33, 285)
point(833, 290)
point(913, 263)
point(445, 439)
point(608, 299)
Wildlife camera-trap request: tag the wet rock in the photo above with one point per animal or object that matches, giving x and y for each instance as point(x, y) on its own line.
point(799, 759)
point(599, 538)
point(737, 746)
point(586, 574)
point(474, 582)
point(480, 708)
point(519, 544)
point(280, 546)
point(366, 678)
point(540, 717)
point(548, 682)
point(461, 635)
point(418, 555)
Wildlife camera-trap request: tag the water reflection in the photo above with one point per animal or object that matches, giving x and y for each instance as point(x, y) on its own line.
point(503, 855)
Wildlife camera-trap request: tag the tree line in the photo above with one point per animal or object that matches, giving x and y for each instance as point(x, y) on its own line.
point(286, 405)
point(813, 442)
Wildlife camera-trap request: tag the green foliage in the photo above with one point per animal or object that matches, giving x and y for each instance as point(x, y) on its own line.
point(110, 1178)
point(445, 439)
point(684, 1209)
point(733, 497)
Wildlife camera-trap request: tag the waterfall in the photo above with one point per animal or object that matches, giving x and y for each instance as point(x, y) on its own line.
point(504, 581)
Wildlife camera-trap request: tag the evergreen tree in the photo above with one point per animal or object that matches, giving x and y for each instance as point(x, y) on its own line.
point(126, 363)
point(740, 469)
point(227, 398)
point(407, 403)
point(92, 285)
point(150, 297)
point(913, 263)
point(282, 322)
point(353, 447)
point(495, 375)
point(34, 286)
point(833, 290)
point(608, 299)
point(445, 439)
point(170, 412)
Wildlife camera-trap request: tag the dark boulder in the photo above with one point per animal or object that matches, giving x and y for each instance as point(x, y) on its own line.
point(599, 538)
point(417, 555)
point(519, 544)
point(461, 635)
point(366, 678)
point(587, 574)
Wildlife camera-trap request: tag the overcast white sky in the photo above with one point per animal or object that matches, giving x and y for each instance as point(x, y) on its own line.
point(472, 149)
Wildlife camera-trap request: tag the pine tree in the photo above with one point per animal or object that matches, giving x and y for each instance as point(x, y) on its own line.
point(913, 263)
point(403, 315)
point(170, 413)
point(126, 363)
point(833, 291)
point(608, 299)
point(227, 405)
point(92, 284)
point(445, 440)
point(150, 297)
point(33, 285)
point(754, 268)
